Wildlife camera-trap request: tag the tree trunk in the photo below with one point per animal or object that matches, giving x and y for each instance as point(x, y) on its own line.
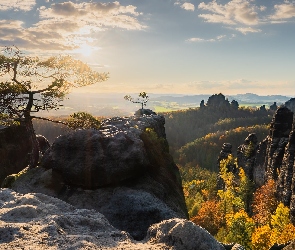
point(34, 155)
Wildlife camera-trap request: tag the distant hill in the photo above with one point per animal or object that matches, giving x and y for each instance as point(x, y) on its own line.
point(253, 98)
point(113, 104)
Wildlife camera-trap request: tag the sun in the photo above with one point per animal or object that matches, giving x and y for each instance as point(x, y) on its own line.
point(85, 50)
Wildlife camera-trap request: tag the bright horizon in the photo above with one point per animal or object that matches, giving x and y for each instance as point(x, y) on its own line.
point(168, 46)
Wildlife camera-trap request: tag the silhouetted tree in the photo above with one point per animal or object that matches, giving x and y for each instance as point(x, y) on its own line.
point(142, 99)
point(30, 84)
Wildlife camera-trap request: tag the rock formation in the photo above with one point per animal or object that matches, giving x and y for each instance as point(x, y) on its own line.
point(246, 155)
point(280, 129)
point(15, 146)
point(39, 221)
point(273, 158)
point(124, 171)
point(291, 104)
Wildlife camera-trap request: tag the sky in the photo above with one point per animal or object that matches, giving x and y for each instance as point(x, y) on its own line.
point(164, 46)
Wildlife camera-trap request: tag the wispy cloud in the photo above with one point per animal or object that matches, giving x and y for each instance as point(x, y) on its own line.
point(234, 12)
point(197, 39)
point(283, 11)
point(245, 15)
point(246, 30)
point(24, 5)
point(94, 14)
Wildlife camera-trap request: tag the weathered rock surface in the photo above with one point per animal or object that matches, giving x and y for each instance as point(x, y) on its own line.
point(123, 171)
point(246, 155)
point(38, 221)
point(284, 181)
point(291, 104)
point(280, 129)
point(14, 149)
point(182, 234)
point(259, 167)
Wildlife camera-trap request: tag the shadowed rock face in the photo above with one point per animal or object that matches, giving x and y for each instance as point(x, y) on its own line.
point(123, 170)
point(15, 146)
point(280, 129)
point(246, 154)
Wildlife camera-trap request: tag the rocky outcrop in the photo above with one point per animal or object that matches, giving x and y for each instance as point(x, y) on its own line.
point(278, 138)
point(246, 155)
point(43, 222)
point(123, 170)
point(291, 104)
point(15, 146)
point(259, 167)
point(284, 182)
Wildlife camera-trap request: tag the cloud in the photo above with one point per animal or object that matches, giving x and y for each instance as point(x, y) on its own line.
point(197, 39)
point(283, 11)
point(188, 6)
point(246, 30)
point(68, 25)
point(225, 85)
point(94, 15)
point(24, 5)
point(233, 12)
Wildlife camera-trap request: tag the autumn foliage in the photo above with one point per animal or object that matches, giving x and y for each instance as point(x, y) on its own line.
point(227, 216)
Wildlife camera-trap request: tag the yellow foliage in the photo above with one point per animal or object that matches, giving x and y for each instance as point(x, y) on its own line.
point(287, 235)
point(240, 228)
point(281, 217)
point(261, 238)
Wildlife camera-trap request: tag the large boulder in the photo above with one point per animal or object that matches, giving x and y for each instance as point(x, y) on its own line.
point(124, 171)
point(15, 145)
point(91, 159)
point(43, 222)
point(182, 235)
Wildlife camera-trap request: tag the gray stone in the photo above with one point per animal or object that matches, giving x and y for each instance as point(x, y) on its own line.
point(182, 235)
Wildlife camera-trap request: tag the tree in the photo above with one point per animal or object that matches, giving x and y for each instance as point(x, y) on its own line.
point(264, 203)
point(82, 120)
point(209, 216)
point(31, 84)
point(142, 99)
point(240, 228)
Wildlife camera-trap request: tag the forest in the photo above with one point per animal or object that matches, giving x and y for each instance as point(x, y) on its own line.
point(238, 213)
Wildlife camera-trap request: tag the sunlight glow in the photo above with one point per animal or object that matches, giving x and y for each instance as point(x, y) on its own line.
point(85, 50)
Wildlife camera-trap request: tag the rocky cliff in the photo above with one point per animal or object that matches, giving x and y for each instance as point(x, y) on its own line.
point(124, 171)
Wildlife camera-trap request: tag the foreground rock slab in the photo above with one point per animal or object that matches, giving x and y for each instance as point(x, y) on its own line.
point(38, 221)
